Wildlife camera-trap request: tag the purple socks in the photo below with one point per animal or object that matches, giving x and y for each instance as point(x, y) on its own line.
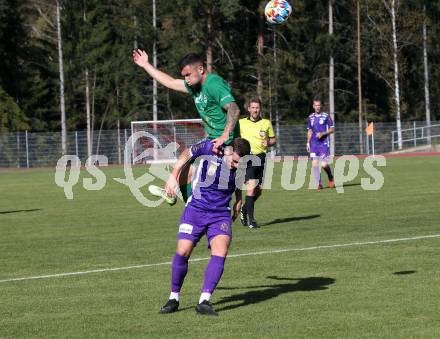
point(178, 272)
point(213, 273)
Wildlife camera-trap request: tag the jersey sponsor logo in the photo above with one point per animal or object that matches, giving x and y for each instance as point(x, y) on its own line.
point(185, 228)
point(312, 155)
point(197, 147)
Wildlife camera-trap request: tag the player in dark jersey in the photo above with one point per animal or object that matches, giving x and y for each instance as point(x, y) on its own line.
point(207, 212)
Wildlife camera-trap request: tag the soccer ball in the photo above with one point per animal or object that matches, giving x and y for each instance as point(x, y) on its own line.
point(277, 11)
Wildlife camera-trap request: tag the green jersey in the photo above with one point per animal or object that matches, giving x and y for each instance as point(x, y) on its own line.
point(209, 100)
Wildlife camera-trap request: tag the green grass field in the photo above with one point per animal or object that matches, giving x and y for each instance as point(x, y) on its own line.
point(317, 289)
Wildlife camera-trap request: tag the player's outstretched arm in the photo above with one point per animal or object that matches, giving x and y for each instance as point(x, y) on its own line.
point(232, 116)
point(172, 184)
point(140, 57)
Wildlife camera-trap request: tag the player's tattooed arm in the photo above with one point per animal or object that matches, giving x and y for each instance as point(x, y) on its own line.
point(232, 116)
point(237, 205)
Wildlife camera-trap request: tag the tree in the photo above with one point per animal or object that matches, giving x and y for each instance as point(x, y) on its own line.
point(287, 65)
point(359, 73)
point(11, 116)
point(61, 72)
point(331, 77)
point(426, 76)
point(395, 27)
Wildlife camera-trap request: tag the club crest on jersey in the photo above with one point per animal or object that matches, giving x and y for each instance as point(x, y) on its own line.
point(224, 227)
point(201, 98)
point(321, 121)
point(212, 168)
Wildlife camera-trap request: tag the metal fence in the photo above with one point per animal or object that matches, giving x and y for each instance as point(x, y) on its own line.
point(26, 149)
point(292, 138)
point(416, 135)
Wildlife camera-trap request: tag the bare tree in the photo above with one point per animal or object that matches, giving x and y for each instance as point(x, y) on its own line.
point(260, 49)
point(275, 94)
point(392, 33)
point(87, 94)
point(331, 77)
point(391, 8)
point(359, 69)
point(209, 51)
point(49, 30)
point(89, 133)
point(426, 73)
point(61, 72)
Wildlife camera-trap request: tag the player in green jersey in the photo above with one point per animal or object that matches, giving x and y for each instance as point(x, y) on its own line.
point(214, 102)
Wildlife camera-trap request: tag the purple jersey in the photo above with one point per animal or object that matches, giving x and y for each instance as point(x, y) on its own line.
point(319, 123)
point(213, 182)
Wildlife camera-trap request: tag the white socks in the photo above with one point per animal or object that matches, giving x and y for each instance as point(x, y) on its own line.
point(174, 295)
point(204, 296)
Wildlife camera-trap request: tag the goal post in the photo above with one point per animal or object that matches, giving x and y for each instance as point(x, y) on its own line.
point(162, 133)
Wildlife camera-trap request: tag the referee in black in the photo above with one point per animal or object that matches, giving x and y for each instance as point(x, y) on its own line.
point(259, 132)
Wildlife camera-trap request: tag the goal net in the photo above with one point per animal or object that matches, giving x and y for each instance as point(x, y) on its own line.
point(156, 139)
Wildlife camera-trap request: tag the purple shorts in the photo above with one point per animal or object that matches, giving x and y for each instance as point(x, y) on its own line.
point(195, 223)
point(320, 152)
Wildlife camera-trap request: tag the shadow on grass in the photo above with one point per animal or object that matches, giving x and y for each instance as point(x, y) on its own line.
point(343, 185)
point(404, 272)
point(284, 220)
point(266, 292)
point(351, 184)
point(20, 211)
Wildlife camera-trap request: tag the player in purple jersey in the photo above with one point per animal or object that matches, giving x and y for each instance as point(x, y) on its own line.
point(319, 127)
point(207, 212)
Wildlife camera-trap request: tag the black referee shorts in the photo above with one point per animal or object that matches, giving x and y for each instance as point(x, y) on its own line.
point(256, 172)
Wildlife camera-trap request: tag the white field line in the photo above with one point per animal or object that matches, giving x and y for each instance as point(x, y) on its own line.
point(360, 243)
